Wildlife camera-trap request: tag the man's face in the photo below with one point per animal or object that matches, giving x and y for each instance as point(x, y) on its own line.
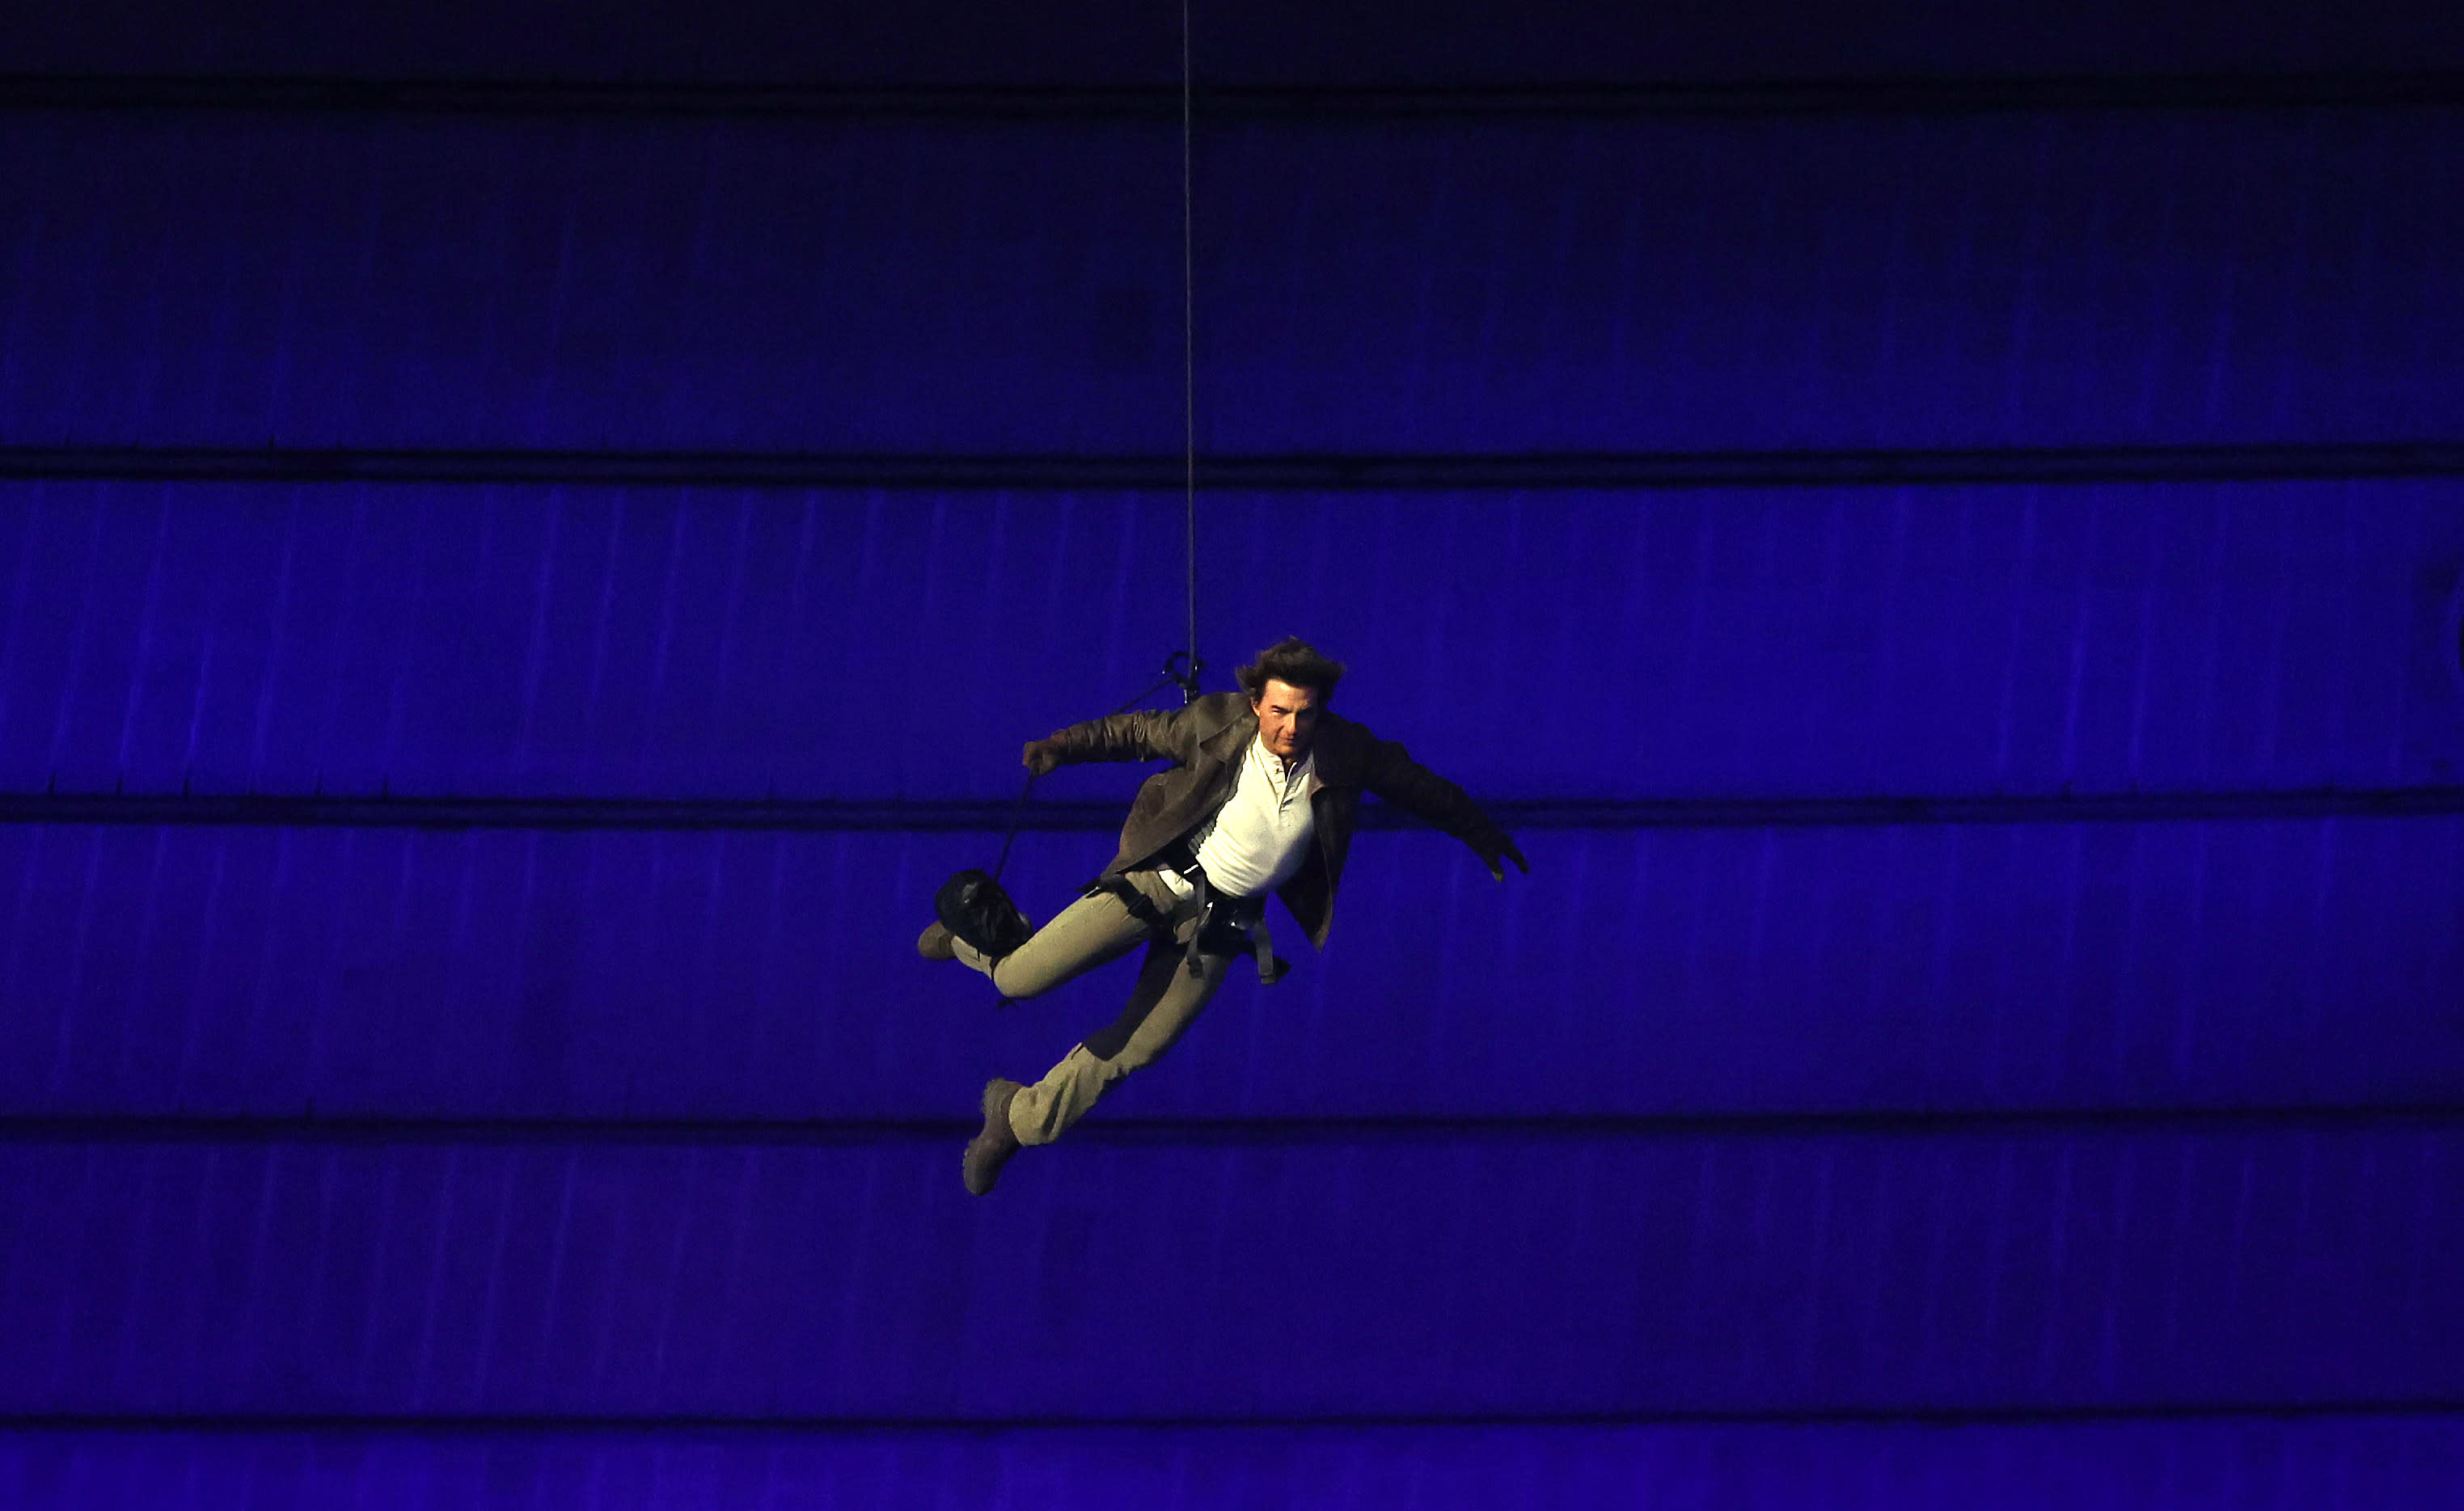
point(1286, 718)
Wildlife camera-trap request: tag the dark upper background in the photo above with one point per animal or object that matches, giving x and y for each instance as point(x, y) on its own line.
point(1277, 43)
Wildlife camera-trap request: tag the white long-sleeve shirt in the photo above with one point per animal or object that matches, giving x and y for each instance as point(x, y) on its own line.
point(1260, 838)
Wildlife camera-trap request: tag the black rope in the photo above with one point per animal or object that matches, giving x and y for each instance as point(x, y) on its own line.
point(1189, 349)
point(1173, 675)
point(1017, 812)
point(1183, 669)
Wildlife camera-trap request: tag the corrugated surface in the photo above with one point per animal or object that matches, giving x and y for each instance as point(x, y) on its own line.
point(2215, 965)
point(2398, 1464)
point(1988, 279)
point(835, 644)
point(1427, 1276)
point(1952, 280)
point(586, 284)
point(1979, 280)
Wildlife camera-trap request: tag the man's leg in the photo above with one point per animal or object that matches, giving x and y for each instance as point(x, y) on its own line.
point(1167, 1000)
point(1090, 932)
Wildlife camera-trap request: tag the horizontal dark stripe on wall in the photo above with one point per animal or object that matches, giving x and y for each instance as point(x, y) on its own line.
point(1166, 473)
point(1161, 102)
point(964, 815)
point(141, 1128)
point(224, 1424)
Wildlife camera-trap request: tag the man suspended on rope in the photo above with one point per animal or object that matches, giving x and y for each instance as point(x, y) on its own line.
point(1262, 797)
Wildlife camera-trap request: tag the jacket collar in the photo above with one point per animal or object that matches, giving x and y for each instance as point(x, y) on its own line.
point(1224, 744)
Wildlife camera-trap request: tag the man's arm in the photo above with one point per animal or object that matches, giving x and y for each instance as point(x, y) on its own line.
point(1148, 734)
point(1392, 774)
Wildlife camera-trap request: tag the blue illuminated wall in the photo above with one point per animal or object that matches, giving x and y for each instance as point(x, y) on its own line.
point(1982, 1027)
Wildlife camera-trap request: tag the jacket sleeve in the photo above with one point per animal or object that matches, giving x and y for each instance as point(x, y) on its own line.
point(1147, 734)
point(1391, 773)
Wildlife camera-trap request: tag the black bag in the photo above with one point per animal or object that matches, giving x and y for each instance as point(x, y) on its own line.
point(973, 906)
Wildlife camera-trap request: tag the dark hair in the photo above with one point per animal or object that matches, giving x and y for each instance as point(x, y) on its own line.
point(1295, 661)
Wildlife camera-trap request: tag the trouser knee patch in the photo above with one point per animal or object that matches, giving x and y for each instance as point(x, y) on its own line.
point(1108, 1043)
point(1155, 978)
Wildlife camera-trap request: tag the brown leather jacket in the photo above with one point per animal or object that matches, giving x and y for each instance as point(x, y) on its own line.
point(1204, 741)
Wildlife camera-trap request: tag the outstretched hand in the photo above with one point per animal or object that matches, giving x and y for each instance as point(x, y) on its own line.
point(1496, 851)
point(1041, 756)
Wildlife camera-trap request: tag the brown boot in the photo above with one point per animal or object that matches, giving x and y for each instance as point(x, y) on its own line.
point(990, 1150)
point(933, 943)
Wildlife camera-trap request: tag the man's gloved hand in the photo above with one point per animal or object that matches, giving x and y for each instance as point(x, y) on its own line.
point(1496, 849)
point(1041, 756)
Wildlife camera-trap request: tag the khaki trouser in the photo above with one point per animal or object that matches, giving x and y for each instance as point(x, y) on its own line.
point(1091, 932)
